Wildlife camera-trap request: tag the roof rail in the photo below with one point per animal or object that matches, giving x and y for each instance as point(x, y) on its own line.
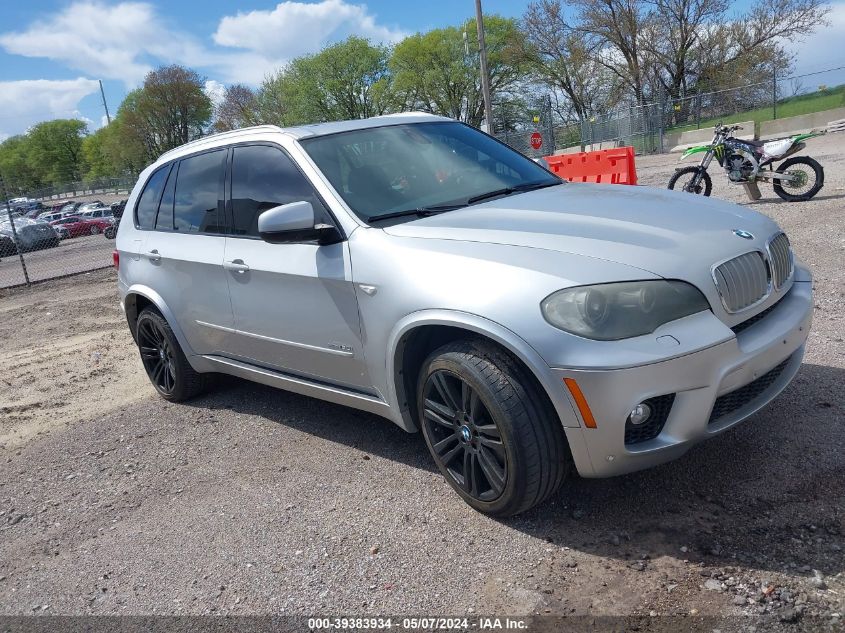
point(221, 135)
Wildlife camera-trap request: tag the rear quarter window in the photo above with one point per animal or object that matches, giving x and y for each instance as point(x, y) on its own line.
point(145, 211)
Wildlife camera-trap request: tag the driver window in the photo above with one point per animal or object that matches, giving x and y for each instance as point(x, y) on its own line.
point(264, 177)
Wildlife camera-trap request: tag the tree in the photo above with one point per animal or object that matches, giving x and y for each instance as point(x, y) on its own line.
point(614, 29)
point(348, 80)
point(15, 168)
point(238, 109)
point(560, 56)
point(438, 71)
point(54, 150)
point(169, 110)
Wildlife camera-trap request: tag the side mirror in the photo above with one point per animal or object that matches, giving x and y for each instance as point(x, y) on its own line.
point(295, 222)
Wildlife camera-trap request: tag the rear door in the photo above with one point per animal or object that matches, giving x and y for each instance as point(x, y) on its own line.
point(294, 304)
point(181, 210)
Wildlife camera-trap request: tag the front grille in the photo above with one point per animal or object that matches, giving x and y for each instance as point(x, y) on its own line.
point(742, 281)
point(738, 398)
point(780, 256)
point(660, 408)
point(739, 327)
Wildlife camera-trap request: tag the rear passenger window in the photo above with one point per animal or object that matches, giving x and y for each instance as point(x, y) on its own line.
point(197, 198)
point(148, 203)
point(264, 177)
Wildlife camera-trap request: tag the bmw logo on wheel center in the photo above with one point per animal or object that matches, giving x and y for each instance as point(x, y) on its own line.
point(466, 434)
point(743, 234)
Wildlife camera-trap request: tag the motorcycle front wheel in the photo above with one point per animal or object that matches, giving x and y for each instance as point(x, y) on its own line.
point(692, 179)
point(807, 179)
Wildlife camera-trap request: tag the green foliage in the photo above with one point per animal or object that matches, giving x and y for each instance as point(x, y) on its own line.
point(169, 110)
point(348, 80)
point(50, 152)
point(54, 150)
point(437, 71)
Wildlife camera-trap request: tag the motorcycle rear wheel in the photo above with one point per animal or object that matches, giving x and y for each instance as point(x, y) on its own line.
point(686, 178)
point(804, 188)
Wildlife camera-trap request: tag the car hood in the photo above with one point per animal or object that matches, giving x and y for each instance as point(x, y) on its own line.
point(670, 234)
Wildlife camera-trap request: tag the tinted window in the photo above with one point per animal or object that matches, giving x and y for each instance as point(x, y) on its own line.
point(197, 197)
point(148, 203)
point(264, 177)
point(164, 219)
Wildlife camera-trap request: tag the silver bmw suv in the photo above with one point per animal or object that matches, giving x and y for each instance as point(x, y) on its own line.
point(416, 268)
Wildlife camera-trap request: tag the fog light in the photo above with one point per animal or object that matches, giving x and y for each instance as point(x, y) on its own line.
point(639, 414)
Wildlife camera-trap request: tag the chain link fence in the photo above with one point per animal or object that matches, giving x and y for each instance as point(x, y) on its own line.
point(42, 239)
point(656, 127)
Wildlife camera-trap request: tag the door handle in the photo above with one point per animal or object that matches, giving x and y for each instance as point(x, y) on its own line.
point(236, 265)
point(154, 256)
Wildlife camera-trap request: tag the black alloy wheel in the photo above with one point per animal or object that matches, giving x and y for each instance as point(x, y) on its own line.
point(157, 356)
point(466, 441)
point(163, 359)
point(490, 428)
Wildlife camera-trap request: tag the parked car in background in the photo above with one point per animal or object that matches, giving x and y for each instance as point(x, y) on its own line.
point(53, 215)
point(97, 212)
point(416, 268)
point(77, 225)
point(70, 207)
point(87, 206)
point(7, 245)
point(31, 235)
point(117, 208)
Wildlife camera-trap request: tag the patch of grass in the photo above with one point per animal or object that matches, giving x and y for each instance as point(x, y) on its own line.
point(792, 106)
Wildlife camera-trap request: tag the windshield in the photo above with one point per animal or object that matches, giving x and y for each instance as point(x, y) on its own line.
point(420, 166)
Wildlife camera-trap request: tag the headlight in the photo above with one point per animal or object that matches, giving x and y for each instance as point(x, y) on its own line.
point(609, 312)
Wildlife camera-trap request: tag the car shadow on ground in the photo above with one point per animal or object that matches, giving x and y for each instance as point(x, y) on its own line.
point(765, 494)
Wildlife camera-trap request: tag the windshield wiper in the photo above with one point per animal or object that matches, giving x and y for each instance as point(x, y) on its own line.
point(419, 211)
point(506, 191)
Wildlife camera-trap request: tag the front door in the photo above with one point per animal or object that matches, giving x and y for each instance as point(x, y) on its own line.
point(294, 304)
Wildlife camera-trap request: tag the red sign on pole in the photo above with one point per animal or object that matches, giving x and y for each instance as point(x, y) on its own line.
point(536, 140)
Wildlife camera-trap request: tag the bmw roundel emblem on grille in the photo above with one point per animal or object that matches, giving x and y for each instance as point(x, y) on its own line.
point(743, 234)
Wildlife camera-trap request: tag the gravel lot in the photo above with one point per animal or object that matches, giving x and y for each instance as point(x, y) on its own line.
point(253, 501)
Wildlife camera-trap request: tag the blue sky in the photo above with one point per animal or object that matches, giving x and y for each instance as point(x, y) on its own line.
point(52, 52)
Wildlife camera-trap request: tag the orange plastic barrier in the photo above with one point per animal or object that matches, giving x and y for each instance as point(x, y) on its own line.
point(613, 166)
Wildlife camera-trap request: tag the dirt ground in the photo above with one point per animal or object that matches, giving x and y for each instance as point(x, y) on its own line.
point(251, 501)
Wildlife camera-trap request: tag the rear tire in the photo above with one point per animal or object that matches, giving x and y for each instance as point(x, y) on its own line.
point(811, 165)
point(492, 434)
point(163, 359)
point(95, 229)
point(686, 175)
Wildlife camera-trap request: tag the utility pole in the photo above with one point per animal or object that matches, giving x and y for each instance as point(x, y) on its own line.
point(485, 77)
point(105, 107)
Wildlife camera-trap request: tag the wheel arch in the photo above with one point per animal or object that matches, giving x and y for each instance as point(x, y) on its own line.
point(139, 297)
point(418, 334)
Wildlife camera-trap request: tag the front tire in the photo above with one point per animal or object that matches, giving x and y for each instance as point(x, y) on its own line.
point(807, 186)
point(692, 179)
point(95, 230)
point(493, 435)
point(163, 359)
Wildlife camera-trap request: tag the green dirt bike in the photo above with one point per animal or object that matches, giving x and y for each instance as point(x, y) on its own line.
point(749, 162)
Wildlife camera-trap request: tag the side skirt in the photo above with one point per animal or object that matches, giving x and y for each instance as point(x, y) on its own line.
point(303, 386)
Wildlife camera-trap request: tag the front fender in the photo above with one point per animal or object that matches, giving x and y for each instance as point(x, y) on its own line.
point(698, 149)
point(474, 323)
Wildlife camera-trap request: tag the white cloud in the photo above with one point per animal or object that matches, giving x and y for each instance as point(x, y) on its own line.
point(124, 41)
point(104, 121)
point(295, 28)
point(215, 91)
point(26, 102)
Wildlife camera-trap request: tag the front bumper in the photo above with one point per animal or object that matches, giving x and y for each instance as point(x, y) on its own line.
point(775, 342)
